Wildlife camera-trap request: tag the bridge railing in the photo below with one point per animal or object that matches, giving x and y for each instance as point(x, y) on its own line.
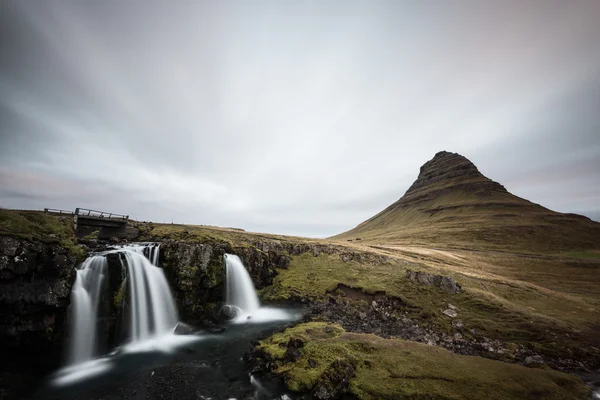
point(99, 214)
point(57, 211)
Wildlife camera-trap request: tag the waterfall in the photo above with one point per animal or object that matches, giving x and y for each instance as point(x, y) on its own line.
point(241, 294)
point(85, 297)
point(240, 291)
point(152, 309)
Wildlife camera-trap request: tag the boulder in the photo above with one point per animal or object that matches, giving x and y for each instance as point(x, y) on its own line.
point(445, 283)
point(230, 312)
point(183, 329)
point(534, 360)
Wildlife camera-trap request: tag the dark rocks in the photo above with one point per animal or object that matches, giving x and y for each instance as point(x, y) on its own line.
point(448, 285)
point(183, 329)
point(196, 273)
point(295, 343)
point(445, 283)
point(35, 285)
point(293, 353)
point(445, 172)
point(230, 312)
point(335, 381)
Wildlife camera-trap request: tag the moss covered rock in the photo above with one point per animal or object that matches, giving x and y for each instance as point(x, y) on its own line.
point(334, 363)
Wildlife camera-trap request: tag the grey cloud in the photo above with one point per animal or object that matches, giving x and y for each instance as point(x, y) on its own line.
point(300, 118)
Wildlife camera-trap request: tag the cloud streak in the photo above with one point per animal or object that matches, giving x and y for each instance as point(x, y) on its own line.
point(302, 118)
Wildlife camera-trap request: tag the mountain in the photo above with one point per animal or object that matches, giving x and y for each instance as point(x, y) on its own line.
point(452, 204)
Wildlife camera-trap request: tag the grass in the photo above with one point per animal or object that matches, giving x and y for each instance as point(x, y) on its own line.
point(584, 254)
point(394, 368)
point(507, 310)
point(40, 226)
point(496, 221)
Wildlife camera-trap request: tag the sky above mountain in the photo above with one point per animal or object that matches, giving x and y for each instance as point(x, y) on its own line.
point(302, 117)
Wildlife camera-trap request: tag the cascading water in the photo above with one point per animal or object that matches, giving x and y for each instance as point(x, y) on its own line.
point(85, 298)
point(240, 291)
point(149, 250)
point(152, 309)
point(241, 294)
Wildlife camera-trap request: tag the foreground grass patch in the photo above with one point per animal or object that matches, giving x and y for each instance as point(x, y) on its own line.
point(394, 368)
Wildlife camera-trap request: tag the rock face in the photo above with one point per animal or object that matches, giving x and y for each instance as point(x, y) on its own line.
point(447, 172)
point(445, 283)
point(35, 284)
point(196, 271)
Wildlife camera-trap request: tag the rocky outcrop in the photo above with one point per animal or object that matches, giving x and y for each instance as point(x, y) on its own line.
point(35, 283)
point(445, 172)
point(445, 283)
point(196, 272)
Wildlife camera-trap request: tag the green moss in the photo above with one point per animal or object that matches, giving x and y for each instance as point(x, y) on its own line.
point(40, 226)
point(394, 368)
point(118, 297)
point(186, 275)
point(91, 236)
point(214, 274)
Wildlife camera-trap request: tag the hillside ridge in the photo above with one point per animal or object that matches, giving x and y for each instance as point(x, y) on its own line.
point(451, 203)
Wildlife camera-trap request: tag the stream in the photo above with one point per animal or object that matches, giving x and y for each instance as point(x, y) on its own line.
point(203, 366)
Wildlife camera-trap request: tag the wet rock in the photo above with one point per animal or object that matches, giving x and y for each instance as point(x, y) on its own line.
point(183, 329)
point(230, 312)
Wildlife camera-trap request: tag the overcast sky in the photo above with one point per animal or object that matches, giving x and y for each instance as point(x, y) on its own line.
point(293, 117)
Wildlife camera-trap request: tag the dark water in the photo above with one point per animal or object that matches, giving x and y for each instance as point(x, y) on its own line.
point(210, 367)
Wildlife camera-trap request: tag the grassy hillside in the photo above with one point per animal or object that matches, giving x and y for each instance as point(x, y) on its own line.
point(451, 204)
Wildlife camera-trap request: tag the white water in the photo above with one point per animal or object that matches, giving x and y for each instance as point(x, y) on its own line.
point(241, 293)
point(85, 298)
point(153, 310)
point(153, 315)
point(149, 250)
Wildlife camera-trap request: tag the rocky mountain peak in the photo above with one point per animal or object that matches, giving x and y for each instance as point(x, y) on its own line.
point(448, 171)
